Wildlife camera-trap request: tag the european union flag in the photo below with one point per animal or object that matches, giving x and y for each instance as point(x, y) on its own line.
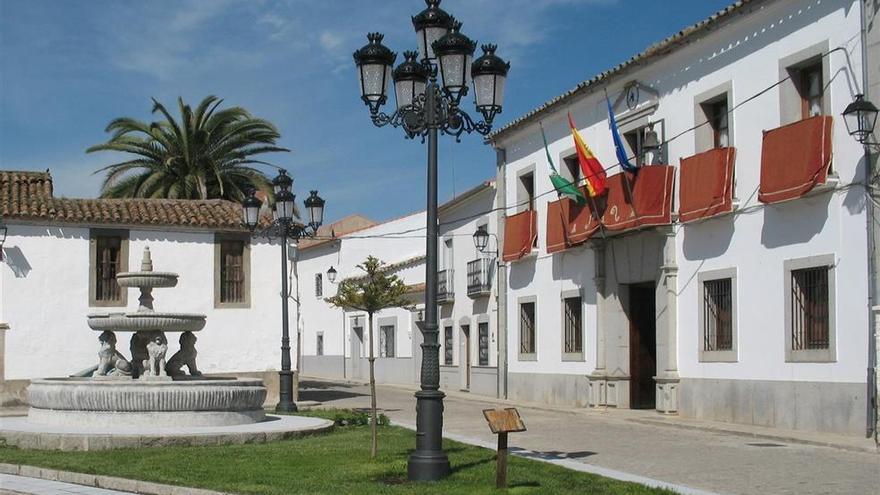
point(618, 143)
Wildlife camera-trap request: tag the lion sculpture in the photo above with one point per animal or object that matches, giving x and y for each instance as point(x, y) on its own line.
point(186, 356)
point(157, 346)
point(110, 361)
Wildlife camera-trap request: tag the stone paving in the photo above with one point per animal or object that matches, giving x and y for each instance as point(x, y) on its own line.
point(11, 484)
point(704, 460)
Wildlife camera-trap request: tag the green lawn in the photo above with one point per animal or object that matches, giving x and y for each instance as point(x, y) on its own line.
point(336, 462)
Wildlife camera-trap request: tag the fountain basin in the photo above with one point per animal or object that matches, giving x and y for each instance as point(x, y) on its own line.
point(190, 402)
point(146, 321)
point(148, 280)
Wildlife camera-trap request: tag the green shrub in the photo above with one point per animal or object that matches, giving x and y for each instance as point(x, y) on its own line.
point(346, 417)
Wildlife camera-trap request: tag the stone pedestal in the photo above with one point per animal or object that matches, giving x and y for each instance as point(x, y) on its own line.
point(608, 390)
point(667, 394)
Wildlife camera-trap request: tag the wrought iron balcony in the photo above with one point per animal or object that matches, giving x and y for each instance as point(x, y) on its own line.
point(445, 287)
point(479, 282)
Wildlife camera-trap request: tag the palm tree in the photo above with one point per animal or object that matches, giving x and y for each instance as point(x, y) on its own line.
point(372, 293)
point(207, 154)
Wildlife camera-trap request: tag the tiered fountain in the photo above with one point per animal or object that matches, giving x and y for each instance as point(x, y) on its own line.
point(146, 390)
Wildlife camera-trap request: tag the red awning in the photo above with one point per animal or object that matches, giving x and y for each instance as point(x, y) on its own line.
point(706, 184)
point(794, 159)
point(520, 233)
point(582, 222)
point(557, 225)
point(640, 201)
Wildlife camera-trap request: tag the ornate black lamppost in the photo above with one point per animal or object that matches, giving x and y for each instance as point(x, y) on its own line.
point(284, 226)
point(425, 108)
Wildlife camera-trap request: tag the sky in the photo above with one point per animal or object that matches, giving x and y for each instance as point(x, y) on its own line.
point(68, 67)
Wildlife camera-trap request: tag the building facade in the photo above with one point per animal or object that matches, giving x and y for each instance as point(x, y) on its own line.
point(726, 279)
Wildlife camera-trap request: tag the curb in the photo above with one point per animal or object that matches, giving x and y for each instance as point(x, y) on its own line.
point(105, 482)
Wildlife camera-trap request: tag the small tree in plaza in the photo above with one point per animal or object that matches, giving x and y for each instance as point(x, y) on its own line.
point(371, 293)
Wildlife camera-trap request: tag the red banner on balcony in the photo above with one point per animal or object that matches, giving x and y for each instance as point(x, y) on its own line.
point(795, 158)
point(706, 184)
point(557, 225)
point(520, 233)
point(569, 224)
point(641, 201)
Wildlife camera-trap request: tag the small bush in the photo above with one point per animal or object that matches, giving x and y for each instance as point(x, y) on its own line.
point(347, 417)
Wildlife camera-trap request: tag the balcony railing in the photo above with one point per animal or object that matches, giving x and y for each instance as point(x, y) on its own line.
point(445, 291)
point(479, 282)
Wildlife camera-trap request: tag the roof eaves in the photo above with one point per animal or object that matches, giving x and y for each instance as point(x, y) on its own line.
point(660, 48)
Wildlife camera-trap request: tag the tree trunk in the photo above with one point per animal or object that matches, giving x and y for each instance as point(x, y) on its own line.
point(374, 440)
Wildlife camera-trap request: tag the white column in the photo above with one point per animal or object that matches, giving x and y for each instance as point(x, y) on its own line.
point(598, 379)
point(668, 380)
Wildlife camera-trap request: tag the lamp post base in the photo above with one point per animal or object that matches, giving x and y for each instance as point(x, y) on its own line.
point(428, 462)
point(285, 393)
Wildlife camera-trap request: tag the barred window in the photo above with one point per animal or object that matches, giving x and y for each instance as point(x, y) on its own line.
point(232, 271)
point(319, 285)
point(386, 341)
point(809, 309)
point(573, 326)
point(717, 315)
point(483, 336)
point(527, 328)
point(319, 344)
point(107, 264)
point(447, 346)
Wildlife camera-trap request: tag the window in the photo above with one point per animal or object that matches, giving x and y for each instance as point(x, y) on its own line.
point(572, 322)
point(527, 330)
point(634, 141)
point(572, 169)
point(319, 285)
point(483, 342)
point(718, 121)
point(108, 255)
point(803, 76)
point(717, 315)
point(810, 309)
point(527, 191)
point(231, 272)
point(810, 88)
point(447, 345)
point(712, 117)
point(319, 344)
point(386, 341)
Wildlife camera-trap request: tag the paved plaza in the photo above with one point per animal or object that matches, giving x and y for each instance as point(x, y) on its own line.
point(713, 461)
point(11, 485)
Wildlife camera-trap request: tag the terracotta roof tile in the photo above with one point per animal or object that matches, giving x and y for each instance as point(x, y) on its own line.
point(28, 196)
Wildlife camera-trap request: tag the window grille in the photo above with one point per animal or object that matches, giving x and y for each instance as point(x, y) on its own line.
point(386, 341)
point(232, 272)
point(108, 252)
point(483, 336)
point(319, 285)
point(447, 346)
point(574, 336)
point(527, 328)
point(319, 345)
point(717, 315)
point(809, 309)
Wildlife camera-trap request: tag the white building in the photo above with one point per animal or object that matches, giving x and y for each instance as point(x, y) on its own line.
point(738, 292)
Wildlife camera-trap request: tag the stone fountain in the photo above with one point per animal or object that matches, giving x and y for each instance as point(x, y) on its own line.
point(146, 389)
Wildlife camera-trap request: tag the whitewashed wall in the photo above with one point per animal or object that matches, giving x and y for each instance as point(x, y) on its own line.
point(745, 52)
point(45, 301)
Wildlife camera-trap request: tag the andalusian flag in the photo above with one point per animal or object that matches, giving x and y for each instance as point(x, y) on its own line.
point(618, 143)
point(590, 166)
point(561, 184)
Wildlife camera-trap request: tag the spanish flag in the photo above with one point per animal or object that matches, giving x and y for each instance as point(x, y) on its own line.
point(590, 166)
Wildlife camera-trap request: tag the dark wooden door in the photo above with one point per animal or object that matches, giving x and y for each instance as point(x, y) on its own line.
point(642, 345)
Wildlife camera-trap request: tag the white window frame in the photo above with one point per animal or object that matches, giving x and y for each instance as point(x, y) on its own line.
point(704, 134)
point(725, 356)
point(526, 356)
point(389, 321)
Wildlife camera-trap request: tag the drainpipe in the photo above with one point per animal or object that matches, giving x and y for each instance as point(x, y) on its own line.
point(873, 391)
point(501, 286)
